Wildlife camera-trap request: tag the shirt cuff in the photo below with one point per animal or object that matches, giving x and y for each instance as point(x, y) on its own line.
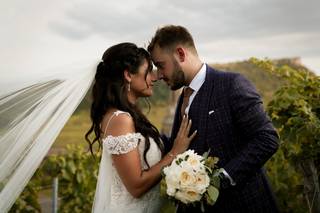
point(232, 183)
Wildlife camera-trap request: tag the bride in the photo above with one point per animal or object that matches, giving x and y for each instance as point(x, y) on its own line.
point(132, 151)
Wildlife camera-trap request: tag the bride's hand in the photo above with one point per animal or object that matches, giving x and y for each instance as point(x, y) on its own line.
point(182, 141)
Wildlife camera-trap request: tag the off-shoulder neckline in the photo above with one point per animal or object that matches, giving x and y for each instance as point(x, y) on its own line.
point(129, 134)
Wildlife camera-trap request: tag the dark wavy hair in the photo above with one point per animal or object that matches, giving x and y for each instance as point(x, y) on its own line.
point(109, 91)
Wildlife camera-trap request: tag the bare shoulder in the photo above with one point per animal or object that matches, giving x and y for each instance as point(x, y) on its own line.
point(117, 124)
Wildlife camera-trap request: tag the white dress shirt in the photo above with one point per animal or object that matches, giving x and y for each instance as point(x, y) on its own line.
point(196, 84)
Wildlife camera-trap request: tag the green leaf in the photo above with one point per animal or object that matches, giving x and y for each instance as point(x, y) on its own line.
point(211, 162)
point(206, 154)
point(78, 177)
point(72, 167)
point(213, 193)
point(186, 158)
point(163, 188)
point(168, 207)
point(215, 181)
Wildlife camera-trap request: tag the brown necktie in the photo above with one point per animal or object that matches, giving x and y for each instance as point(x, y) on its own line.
point(186, 95)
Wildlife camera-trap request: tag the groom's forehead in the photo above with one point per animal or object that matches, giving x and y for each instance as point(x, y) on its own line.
point(159, 55)
point(160, 61)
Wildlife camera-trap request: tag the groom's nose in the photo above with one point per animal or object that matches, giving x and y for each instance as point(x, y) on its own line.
point(154, 77)
point(159, 75)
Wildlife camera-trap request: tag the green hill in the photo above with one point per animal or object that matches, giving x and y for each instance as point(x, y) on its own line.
point(265, 83)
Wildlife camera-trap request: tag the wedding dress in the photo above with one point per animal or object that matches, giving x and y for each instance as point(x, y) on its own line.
point(111, 195)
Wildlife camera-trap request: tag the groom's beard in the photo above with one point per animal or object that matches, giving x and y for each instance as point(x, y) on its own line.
point(178, 78)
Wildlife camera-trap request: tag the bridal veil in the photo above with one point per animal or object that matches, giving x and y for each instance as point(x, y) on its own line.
point(33, 111)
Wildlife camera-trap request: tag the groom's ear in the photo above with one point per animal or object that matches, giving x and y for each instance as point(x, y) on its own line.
point(181, 53)
point(127, 75)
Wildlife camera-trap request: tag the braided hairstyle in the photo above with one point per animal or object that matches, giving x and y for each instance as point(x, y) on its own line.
point(109, 91)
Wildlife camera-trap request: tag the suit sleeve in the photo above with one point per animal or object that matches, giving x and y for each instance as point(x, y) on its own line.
point(256, 130)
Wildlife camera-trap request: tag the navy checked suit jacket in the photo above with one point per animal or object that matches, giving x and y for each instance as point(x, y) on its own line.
point(239, 132)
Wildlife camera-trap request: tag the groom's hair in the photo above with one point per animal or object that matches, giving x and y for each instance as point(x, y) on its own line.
point(168, 37)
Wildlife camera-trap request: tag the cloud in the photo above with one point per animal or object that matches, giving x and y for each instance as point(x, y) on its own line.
point(222, 29)
point(212, 19)
point(113, 20)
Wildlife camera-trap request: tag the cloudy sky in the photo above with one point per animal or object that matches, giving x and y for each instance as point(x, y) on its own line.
point(41, 35)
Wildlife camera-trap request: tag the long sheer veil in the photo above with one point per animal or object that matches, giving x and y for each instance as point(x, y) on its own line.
point(32, 113)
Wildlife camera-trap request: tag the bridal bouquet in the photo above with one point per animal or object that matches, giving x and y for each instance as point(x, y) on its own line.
point(191, 179)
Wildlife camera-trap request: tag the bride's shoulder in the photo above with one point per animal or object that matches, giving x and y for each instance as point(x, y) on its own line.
point(117, 123)
point(119, 136)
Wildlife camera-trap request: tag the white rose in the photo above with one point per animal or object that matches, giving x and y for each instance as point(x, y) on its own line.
point(202, 182)
point(195, 160)
point(172, 179)
point(187, 196)
point(172, 182)
point(186, 153)
point(171, 191)
point(187, 178)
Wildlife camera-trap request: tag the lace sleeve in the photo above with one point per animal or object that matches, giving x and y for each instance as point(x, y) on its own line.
point(121, 144)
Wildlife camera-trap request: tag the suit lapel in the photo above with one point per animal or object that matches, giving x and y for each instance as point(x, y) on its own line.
point(199, 112)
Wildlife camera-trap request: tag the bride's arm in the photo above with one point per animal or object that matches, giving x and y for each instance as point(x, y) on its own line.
point(128, 165)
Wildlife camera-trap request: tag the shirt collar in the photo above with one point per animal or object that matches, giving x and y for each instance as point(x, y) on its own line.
point(199, 79)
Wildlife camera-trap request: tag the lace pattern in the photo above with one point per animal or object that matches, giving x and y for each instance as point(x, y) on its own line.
point(122, 144)
point(112, 195)
point(121, 199)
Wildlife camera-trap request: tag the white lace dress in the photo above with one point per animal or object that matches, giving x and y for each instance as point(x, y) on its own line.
point(111, 195)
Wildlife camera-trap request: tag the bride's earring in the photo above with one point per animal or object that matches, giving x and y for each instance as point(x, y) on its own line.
point(129, 86)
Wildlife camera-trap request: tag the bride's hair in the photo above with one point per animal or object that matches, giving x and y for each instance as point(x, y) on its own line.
point(109, 91)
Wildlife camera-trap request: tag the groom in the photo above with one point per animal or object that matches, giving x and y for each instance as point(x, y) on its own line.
point(228, 113)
